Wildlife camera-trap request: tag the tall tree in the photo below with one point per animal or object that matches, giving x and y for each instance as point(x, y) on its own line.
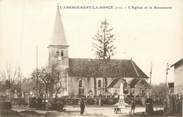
point(104, 42)
point(104, 46)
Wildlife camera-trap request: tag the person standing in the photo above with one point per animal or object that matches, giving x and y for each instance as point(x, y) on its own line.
point(82, 106)
point(149, 105)
point(133, 104)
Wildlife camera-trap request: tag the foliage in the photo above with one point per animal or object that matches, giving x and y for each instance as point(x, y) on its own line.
point(91, 101)
point(57, 104)
point(20, 101)
point(32, 102)
point(109, 101)
point(12, 88)
point(72, 101)
point(160, 91)
point(37, 103)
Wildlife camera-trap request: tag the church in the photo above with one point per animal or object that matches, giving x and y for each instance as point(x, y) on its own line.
point(84, 77)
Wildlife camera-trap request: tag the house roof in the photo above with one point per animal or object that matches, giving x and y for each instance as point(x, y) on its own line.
point(133, 82)
point(178, 63)
point(116, 68)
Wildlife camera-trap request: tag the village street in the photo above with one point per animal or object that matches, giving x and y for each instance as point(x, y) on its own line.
point(104, 111)
point(91, 111)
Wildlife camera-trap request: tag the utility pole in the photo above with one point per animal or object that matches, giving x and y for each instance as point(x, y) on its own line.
point(9, 78)
point(167, 68)
point(37, 71)
point(150, 73)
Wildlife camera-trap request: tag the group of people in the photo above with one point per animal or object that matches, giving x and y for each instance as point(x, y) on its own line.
point(148, 102)
point(149, 106)
point(173, 104)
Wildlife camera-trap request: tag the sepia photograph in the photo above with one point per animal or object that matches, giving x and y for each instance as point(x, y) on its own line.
point(91, 58)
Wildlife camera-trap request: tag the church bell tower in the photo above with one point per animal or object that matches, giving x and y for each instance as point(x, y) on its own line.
point(58, 51)
point(58, 48)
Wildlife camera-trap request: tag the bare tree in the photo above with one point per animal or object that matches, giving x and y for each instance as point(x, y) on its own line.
point(160, 90)
point(104, 46)
point(56, 76)
point(49, 81)
point(42, 79)
point(12, 78)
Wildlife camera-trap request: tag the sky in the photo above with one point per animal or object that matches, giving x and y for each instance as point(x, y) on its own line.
point(145, 35)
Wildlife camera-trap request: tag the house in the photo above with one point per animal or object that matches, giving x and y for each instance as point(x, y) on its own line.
point(134, 86)
point(84, 76)
point(171, 87)
point(178, 75)
point(139, 87)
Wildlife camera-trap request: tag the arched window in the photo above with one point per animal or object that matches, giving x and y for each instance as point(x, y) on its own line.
point(99, 83)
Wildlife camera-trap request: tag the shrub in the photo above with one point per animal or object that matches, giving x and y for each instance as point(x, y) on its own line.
point(19, 101)
point(109, 101)
point(91, 101)
point(32, 102)
point(57, 104)
point(72, 101)
point(37, 103)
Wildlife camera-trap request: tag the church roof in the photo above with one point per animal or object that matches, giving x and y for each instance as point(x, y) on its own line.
point(116, 68)
point(178, 63)
point(58, 37)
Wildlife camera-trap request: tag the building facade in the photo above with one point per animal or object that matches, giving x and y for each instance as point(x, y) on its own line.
point(178, 77)
point(86, 76)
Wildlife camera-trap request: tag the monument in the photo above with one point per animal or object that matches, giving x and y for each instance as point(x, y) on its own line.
point(121, 102)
